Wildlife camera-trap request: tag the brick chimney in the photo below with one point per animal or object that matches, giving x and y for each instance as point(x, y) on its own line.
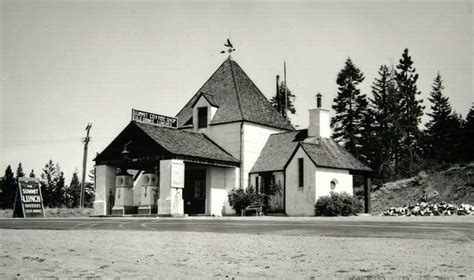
point(319, 120)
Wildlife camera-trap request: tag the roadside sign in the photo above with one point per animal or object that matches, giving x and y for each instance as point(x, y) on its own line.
point(28, 199)
point(155, 119)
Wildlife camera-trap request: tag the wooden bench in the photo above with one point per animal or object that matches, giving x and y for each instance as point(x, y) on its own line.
point(257, 207)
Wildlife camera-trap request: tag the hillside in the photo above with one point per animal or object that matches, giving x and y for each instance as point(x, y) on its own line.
point(455, 185)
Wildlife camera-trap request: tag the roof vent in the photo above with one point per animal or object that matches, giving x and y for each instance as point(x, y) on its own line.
point(318, 100)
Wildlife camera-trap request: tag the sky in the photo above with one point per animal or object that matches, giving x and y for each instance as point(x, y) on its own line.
point(66, 63)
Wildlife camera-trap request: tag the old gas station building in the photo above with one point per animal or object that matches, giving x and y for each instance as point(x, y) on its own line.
point(227, 136)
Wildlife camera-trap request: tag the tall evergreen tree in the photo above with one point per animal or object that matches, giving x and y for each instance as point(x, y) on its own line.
point(369, 142)
point(350, 106)
point(8, 188)
point(60, 188)
point(468, 147)
point(19, 172)
point(278, 101)
point(48, 180)
point(457, 136)
point(89, 190)
point(384, 111)
point(410, 149)
point(443, 127)
point(52, 185)
point(73, 191)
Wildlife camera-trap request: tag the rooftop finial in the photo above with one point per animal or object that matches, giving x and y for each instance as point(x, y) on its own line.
point(230, 47)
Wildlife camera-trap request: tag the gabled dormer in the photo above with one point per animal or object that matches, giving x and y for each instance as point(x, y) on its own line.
point(204, 110)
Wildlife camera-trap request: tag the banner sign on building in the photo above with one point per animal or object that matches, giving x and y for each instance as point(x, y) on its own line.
point(155, 119)
point(28, 199)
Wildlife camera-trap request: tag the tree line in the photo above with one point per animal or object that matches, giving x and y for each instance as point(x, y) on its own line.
point(55, 192)
point(384, 130)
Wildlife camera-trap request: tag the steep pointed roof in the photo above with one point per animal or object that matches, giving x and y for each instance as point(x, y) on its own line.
point(237, 99)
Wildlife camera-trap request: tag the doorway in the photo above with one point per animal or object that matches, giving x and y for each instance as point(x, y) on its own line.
point(194, 193)
point(273, 188)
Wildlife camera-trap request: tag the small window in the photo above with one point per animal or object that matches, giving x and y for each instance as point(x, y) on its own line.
point(202, 117)
point(333, 184)
point(300, 172)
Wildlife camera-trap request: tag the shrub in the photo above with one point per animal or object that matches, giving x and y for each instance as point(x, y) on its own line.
point(239, 198)
point(337, 204)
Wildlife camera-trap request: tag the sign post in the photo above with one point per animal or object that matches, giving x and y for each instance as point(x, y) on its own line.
point(28, 199)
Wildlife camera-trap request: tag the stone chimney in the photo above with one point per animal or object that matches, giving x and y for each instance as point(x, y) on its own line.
point(319, 120)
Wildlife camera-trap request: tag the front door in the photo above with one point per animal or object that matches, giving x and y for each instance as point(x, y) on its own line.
point(194, 193)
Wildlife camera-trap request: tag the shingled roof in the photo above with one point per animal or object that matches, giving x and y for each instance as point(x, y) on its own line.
point(327, 153)
point(237, 99)
point(150, 139)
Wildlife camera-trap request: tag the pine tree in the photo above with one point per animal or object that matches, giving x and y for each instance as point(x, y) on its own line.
point(73, 191)
point(457, 137)
point(52, 185)
point(48, 180)
point(89, 190)
point(19, 172)
point(468, 136)
point(369, 142)
point(384, 111)
point(278, 101)
point(8, 188)
point(350, 106)
point(443, 128)
point(32, 174)
point(411, 111)
point(60, 188)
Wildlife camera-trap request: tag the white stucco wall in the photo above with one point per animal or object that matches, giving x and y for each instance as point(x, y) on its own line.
point(104, 182)
point(227, 136)
point(255, 137)
point(300, 200)
point(317, 183)
point(324, 176)
point(219, 182)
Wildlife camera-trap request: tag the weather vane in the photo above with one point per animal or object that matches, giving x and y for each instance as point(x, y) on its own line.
point(230, 47)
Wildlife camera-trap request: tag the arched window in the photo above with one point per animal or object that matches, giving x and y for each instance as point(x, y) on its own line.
point(333, 184)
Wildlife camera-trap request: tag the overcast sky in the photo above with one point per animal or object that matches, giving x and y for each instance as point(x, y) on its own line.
point(67, 63)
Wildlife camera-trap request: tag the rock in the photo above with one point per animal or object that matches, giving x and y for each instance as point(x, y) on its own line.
point(430, 209)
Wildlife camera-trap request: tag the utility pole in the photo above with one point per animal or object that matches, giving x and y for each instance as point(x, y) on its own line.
point(84, 165)
point(286, 94)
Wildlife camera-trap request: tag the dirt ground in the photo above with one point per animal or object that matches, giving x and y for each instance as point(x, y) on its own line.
point(132, 254)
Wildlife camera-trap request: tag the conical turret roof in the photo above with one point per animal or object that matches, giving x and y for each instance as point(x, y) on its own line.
point(237, 99)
